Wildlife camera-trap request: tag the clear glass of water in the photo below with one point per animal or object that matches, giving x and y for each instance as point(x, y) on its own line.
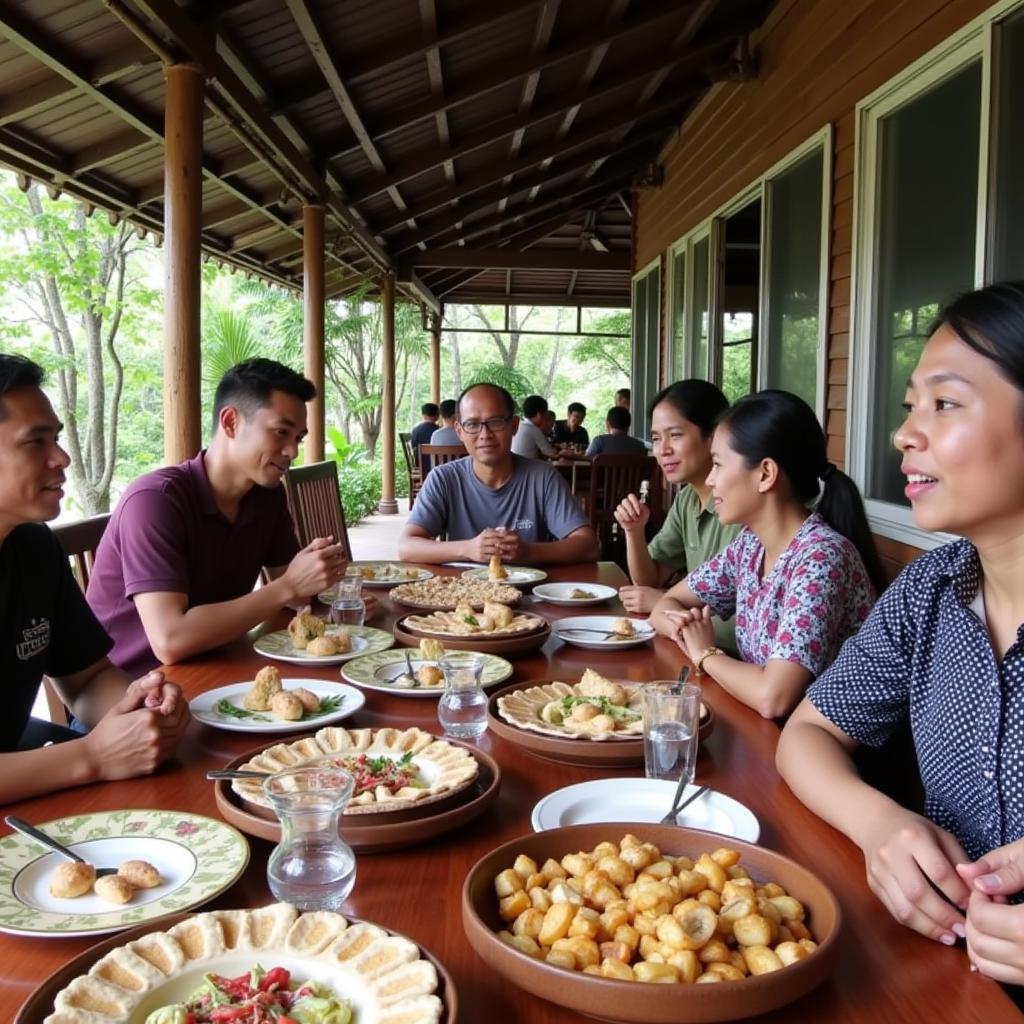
point(311, 867)
point(671, 721)
point(462, 709)
point(347, 606)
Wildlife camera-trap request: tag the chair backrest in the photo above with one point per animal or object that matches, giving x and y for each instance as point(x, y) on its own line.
point(432, 455)
point(612, 477)
point(79, 541)
point(314, 500)
point(410, 456)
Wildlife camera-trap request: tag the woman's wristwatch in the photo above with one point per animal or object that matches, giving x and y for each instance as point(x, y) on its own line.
point(707, 654)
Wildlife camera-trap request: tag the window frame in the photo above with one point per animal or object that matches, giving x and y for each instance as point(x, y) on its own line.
point(975, 40)
point(644, 348)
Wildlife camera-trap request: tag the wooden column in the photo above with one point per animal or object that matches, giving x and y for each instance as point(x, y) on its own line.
point(183, 200)
point(313, 324)
point(435, 357)
point(388, 505)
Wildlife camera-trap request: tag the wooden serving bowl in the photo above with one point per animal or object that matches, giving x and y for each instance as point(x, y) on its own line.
point(503, 644)
point(633, 1001)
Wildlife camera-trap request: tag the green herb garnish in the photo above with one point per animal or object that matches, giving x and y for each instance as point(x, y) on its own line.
point(622, 714)
point(327, 705)
point(470, 620)
point(228, 710)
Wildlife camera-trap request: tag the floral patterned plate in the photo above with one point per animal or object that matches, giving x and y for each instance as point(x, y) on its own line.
point(365, 640)
point(379, 672)
point(197, 857)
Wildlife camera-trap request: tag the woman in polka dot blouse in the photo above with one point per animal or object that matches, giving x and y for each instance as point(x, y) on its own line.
point(798, 582)
point(944, 647)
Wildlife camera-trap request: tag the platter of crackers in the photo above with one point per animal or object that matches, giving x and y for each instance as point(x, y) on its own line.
point(446, 593)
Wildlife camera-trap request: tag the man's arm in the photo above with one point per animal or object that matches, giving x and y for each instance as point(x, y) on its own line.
point(417, 545)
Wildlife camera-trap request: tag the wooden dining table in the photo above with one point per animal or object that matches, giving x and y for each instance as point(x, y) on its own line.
point(886, 973)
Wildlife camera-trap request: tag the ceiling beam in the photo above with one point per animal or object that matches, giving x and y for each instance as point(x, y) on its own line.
point(537, 299)
point(435, 72)
point(509, 258)
point(111, 148)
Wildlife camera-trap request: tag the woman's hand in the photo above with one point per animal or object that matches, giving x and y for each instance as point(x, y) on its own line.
point(695, 632)
point(632, 514)
point(640, 600)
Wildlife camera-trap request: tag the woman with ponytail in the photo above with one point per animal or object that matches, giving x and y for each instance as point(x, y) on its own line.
point(799, 582)
point(944, 651)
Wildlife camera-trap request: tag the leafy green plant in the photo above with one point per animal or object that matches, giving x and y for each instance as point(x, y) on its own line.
point(516, 383)
point(346, 453)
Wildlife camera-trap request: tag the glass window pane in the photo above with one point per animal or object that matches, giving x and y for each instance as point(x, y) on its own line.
point(925, 230)
point(678, 337)
point(642, 424)
point(699, 319)
point(794, 277)
point(639, 339)
point(741, 273)
point(1008, 132)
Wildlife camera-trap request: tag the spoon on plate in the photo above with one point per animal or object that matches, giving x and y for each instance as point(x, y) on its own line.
point(235, 773)
point(31, 832)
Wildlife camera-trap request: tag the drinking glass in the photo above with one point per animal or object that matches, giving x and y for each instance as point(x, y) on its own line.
point(347, 606)
point(671, 721)
point(462, 709)
point(311, 867)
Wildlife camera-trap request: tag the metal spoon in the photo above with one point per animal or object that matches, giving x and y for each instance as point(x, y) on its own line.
point(22, 826)
point(677, 808)
point(235, 773)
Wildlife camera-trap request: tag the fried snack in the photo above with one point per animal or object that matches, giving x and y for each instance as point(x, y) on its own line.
point(286, 706)
point(500, 614)
point(579, 594)
point(310, 701)
point(330, 644)
point(305, 627)
point(140, 873)
point(429, 675)
point(265, 685)
point(431, 650)
point(495, 570)
point(623, 628)
point(632, 913)
point(593, 684)
point(71, 879)
point(114, 889)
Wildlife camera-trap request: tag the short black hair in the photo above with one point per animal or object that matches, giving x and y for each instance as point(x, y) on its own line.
point(696, 400)
point(429, 409)
point(249, 385)
point(533, 405)
point(619, 417)
point(18, 372)
point(448, 407)
point(623, 393)
point(577, 407)
point(510, 402)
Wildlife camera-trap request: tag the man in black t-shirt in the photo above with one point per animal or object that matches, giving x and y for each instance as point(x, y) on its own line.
point(46, 628)
point(424, 430)
point(571, 429)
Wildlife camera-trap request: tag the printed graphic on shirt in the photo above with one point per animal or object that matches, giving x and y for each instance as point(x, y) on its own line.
point(524, 524)
point(35, 638)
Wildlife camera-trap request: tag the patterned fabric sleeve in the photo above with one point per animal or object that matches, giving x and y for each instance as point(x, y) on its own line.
point(865, 692)
point(714, 582)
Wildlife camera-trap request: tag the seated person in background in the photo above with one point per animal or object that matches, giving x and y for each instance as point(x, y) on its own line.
point(529, 440)
point(444, 434)
point(617, 441)
point(48, 629)
point(547, 424)
point(175, 570)
point(622, 398)
point(571, 429)
point(683, 418)
point(795, 579)
point(424, 430)
point(943, 648)
point(494, 502)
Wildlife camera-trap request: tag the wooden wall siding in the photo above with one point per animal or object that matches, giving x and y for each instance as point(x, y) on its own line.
point(818, 58)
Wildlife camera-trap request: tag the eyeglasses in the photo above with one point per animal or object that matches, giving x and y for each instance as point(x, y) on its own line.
point(494, 424)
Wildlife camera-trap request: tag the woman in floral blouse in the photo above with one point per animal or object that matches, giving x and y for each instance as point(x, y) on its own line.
point(944, 649)
point(799, 581)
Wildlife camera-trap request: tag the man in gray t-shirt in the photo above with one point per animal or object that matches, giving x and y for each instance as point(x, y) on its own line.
point(494, 502)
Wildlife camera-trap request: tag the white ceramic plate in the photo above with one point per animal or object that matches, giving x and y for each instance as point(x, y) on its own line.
point(378, 672)
point(642, 800)
point(346, 700)
point(382, 582)
point(559, 593)
point(564, 629)
point(197, 858)
point(365, 640)
point(518, 575)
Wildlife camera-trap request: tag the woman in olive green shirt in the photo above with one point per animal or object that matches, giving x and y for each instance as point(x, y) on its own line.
point(683, 418)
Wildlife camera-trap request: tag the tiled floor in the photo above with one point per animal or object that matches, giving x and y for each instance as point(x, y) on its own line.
point(376, 536)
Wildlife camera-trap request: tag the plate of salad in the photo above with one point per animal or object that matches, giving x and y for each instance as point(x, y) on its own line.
point(320, 702)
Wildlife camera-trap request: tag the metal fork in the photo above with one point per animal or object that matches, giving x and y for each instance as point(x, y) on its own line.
point(22, 826)
point(677, 808)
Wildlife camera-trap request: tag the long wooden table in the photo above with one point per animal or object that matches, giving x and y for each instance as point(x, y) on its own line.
point(886, 973)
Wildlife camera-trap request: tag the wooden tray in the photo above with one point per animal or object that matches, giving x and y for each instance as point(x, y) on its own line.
point(39, 1005)
point(390, 833)
point(581, 751)
point(517, 643)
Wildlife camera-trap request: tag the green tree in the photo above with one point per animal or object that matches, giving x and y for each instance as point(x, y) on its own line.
point(517, 384)
point(609, 352)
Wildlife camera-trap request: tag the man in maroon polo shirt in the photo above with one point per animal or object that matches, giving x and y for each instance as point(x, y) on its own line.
point(175, 571)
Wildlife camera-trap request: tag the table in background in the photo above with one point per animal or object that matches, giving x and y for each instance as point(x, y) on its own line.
point(885, 973)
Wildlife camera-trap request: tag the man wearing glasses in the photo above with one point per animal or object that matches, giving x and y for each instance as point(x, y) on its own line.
point(495, 502)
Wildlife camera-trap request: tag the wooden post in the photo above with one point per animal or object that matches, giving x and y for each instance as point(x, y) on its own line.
point(435, 357)
point(313, 324)
point(183, 200)
point(388, 505)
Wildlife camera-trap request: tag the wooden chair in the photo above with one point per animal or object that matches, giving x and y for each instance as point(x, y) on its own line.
point(612, 477)
point(412, 468)
point(314, 500)
point(79, 541)
point(432, 455)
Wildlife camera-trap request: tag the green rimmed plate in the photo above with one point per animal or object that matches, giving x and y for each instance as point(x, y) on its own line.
point(197, 857)
point(366, 640)
point(517, 575)
point(376, 672)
